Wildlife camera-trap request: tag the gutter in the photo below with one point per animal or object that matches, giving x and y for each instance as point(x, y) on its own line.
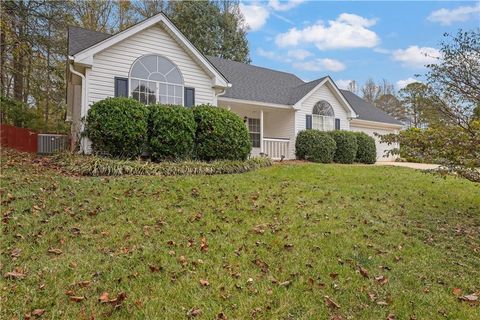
point(84, 89)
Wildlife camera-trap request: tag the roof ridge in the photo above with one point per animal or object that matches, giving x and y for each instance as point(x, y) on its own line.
point(258, 67)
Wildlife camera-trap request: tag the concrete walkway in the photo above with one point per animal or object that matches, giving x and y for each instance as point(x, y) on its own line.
point(413, 165)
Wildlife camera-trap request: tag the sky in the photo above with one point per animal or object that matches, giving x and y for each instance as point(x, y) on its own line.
point(353, 40)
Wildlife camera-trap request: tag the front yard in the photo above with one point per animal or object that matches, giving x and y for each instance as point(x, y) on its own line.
point(298, 241)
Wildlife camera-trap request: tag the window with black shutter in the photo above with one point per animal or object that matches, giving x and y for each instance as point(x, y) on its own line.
point(337, 124)
point(189, 99)
point(121, 87)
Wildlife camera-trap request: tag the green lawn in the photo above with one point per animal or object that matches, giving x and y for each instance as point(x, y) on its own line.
point(270, 244)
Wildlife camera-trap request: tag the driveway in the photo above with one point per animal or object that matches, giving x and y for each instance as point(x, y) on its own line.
point(413, 165)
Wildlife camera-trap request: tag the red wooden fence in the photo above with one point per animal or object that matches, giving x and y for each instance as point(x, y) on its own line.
point(18, 138)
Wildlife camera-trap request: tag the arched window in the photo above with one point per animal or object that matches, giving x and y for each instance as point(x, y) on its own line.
point(155, 79)
point(323, 117)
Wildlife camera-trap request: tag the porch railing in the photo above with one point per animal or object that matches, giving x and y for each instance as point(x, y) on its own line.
point(275, 148)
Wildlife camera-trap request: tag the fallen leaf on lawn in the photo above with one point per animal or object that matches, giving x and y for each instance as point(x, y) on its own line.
point(155, 268)
point(285, 283)
point(457, 291)
point(194, 312)
point(469, 297)
point(183, 261)
point(76, 298)
point(204, 282)
point(83, 284)
point(203, 245)
point(104, 298)
point(38, 312)
point(261, 264)
point(333, 275)
point(15, 253)
point(55, 251)
point(260, 229)
point(391, 316)
point(426, 290)
point(372, 296)
point(363, 272)
point(330, 303)
point(14, 275)
point(382, 303)
point(221, 316)
point(119, 299)
point(382, 280)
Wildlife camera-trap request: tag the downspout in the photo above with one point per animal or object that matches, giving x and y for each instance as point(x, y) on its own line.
point(83, 102)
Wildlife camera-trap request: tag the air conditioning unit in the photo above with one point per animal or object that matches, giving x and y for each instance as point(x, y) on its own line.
point(51, 143)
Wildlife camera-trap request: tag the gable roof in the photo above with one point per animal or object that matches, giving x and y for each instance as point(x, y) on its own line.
point(85, 56)
point(80, 39)
point(254, 83)
point(366, 110)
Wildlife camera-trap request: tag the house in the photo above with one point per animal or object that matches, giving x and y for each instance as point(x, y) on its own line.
point(154, 62)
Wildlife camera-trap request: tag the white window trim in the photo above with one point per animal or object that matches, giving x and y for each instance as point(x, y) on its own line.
point(259, 132)
point(320, 122)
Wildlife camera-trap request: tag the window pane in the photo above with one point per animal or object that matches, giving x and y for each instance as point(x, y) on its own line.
point(174, 77)
point(170, 90)
point(163, 88)
point(178, 101)
point(163, 99)
point(134, 85)
point(139, 71)
point(152, 99)
point(157, 77)
point(143, 98)
point(171, 100)
point(255, 139)
point(150, 63)
point(164, 66)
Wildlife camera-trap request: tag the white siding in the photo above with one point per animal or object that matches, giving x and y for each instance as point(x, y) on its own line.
point(116, 61)
point(381, 147)
point(322, 93)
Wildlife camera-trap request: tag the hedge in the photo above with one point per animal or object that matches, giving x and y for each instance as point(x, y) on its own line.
point(346, 150)
point(171, 132)
point(220, 134)
point(117, 127)
point(315, 145)
point(366, 151)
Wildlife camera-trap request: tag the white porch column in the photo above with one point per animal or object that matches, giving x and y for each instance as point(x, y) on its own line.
point(261, 131)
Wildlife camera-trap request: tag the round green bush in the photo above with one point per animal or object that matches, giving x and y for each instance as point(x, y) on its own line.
point(315, 145)
point(366, 151)
point(117, 127)
point(171, 132)
point(220, 134)
point(346, 146)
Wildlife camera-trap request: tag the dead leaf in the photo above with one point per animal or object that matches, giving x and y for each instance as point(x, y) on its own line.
point(104, 298)
point(194, 312)
point(16, 253)
point(14, 275)
point(285, 283)
point(382, 280)
point(363, 272)
point(77, 298)
point(457, 291)
point(38, 312)
point(55, 251)
point(117, 302)
point(391, 316)
point(331, 304)
point(83, 284)
point(382, 303)
point(204, 283)
point(155, 268)
point(333, 275)
point(469, 298)
point(221, 316)
point(203, 245)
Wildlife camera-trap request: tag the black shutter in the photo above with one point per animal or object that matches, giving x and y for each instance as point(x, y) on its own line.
point(337, 124)
point(308, 118)
point(121, 87)
point(189, 97)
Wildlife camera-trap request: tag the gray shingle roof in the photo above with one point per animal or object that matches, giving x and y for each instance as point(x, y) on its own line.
point(250, 82)
point(367, 111)
point(80, 39)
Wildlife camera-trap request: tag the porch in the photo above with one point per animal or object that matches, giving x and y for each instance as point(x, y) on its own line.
point(271, 128)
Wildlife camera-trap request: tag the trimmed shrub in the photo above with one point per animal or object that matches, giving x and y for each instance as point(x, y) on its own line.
point(346, 146)
point(100, 166)
point(117, 127)
point(220, 134)
point(171, 132)
point(315, 145)
point(366, 151)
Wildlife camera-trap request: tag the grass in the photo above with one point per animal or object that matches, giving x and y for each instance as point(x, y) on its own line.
point(271, 244)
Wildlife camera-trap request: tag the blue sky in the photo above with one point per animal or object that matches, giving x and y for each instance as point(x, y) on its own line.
point(353, 40)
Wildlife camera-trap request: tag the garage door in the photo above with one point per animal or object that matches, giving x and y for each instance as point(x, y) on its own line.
point(381, 147)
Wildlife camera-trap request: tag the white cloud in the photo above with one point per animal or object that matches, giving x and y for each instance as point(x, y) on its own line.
point(343, 84)
point(347, 31)
point(284, 5)
point(460, 14)
point(272, 55)
point(403, 83)
point(320, 65)
point(299, 54)
point(415, 56)
point(255, 15)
